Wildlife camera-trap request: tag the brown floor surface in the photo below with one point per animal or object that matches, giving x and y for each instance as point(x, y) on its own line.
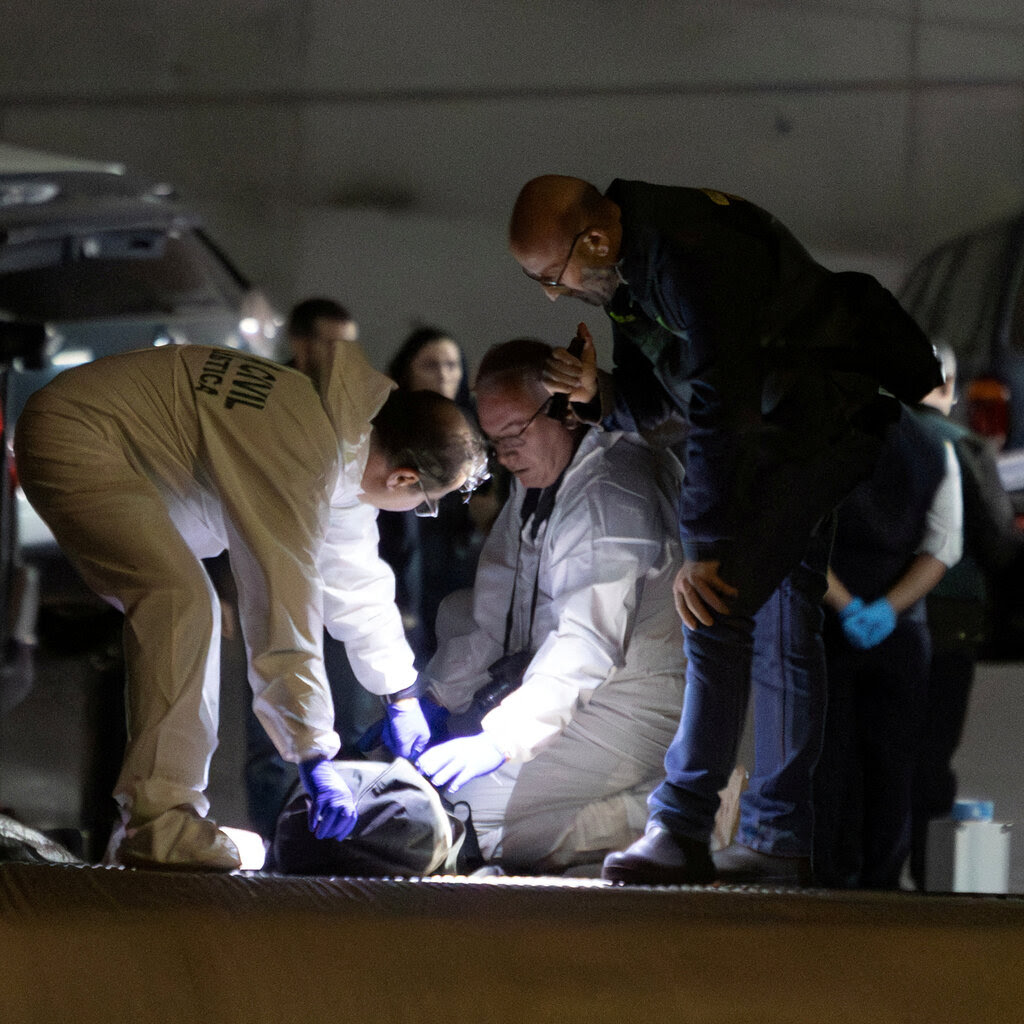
point(83, 944)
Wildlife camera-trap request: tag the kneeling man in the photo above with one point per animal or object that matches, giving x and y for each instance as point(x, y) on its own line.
point(572, 601)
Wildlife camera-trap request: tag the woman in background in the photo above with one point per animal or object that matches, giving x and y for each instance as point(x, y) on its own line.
point(433, 557)
point(430, 361)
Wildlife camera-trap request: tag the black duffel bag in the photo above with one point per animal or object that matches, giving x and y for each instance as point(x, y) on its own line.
point(404, 829)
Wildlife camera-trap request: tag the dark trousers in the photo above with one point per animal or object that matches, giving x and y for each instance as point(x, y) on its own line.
point(934, 786)
point(862, 784)
point(771, 644)
point(776, 654)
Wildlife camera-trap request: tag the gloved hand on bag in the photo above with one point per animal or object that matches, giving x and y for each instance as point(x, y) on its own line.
point(332, 807)
point(454, 763)
point(386, 731)
point(869, 625)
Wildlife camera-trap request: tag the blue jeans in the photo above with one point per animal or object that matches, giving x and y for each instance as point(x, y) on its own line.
point(770, 642)
point(777, 651)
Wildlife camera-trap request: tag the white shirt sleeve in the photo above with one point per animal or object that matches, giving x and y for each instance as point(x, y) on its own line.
point(944, 525)
point(359, 601)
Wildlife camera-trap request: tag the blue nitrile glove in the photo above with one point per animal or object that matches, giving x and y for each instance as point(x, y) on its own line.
point(454, 763)
point(852, 608)
point(407, 729)
point(869, 626)
point(332, 807)
point(381, 733)
point(437, 718)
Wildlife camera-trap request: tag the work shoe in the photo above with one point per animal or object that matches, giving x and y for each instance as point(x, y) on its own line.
point(660, 858)
point(738, 864)
point(179, 840)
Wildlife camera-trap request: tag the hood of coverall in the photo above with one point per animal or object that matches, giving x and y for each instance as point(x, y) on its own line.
point(352, 392)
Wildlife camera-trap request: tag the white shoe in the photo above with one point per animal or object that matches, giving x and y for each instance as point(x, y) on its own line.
point(180, 840)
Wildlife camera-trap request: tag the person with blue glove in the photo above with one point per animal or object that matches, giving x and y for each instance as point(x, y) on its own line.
point(961, 608)
point(144, 464)
point(558, 680)
point(896, 535)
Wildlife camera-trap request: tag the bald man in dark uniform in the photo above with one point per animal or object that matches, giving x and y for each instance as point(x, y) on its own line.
point(783, 377)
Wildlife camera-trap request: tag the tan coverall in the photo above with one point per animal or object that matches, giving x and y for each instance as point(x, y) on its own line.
point(146, 462)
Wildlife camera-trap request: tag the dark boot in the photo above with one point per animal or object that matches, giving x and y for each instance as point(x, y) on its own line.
point(660, 858)
point(738, 864)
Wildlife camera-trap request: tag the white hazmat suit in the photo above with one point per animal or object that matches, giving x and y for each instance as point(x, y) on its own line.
point(143, 464)
point(601, 698)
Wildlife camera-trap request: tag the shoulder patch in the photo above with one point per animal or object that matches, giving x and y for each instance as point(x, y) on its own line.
point(721, 198)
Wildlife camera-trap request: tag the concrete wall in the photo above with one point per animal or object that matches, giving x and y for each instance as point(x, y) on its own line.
point(374, 150)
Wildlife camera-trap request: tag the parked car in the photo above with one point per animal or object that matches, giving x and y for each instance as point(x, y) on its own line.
point(969, 292)
point(95, 261)
point(18, 590)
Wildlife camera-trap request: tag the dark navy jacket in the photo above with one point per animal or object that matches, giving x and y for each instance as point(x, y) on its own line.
point(727, 322)
point(881, 524)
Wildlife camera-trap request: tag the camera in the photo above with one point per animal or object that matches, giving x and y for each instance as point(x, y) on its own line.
point(506, 676)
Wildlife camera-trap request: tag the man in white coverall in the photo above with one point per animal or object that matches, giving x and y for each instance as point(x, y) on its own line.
point(144, 463)
point(577, 573)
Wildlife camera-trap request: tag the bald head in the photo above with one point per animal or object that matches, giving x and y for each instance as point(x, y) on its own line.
point(550, 209)
point(562, 229)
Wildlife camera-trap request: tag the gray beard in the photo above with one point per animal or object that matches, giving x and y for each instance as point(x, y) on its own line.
point(600, 284)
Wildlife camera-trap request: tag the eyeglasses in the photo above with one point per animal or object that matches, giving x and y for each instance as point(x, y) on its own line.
point(478, 476)
point(516, 440)
point(546, 282)
point(428, 507)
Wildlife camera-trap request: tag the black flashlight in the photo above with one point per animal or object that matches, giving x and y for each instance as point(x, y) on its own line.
point(560, 403)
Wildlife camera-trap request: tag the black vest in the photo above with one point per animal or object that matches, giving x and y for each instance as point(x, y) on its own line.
point(881, 524)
